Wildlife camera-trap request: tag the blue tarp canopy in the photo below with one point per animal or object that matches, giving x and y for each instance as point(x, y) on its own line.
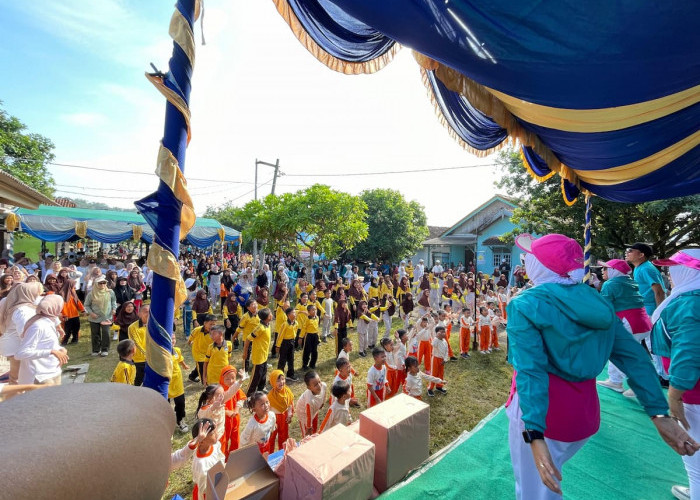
point(606, 94)
point(55, 224)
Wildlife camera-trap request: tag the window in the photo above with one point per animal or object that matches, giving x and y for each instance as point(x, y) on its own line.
point(499, 254)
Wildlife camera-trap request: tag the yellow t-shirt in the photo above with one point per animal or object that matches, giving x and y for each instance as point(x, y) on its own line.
point(176, 387)
point(124, 373)
point(137, 333)
point(310, 326)
point(260, 340)
point(199, 340)
point(236, 312)
point(280, 319)
point(288, 331)
point(217, 358)
point(301, 314)
point(373, 292)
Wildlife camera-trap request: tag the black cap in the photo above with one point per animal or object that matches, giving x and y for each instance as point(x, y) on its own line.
point(642, 247)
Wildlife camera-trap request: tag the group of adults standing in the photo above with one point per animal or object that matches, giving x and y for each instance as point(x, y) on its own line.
point(561, 334)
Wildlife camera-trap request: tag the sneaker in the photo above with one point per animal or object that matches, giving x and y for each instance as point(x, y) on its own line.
point(304, 368)
point(453, 358)
point(629, 393)
point(488, 351)
point(680, 492)
point(464, 355)
point(431, 393)
point(323, 339)
point(362, 354)
point(183, 426)
point(95, 353)
point(104, 354)
point(115, 336)
point(441, 390)
point(194, 379)
point(611, 385)
point(496, 348)
point(293, 379)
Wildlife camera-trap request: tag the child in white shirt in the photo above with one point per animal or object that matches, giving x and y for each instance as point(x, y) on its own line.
point(377, 385)
point(310, 403)
point(484, 330)
point(339, 412)
point(344, 373)
point(440, 357)
point(466, 327)
point(261, 425)
point(414, 378)
point(207, 455)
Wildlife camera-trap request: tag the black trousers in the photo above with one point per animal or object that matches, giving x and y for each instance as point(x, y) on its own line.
point(258, 380)
point(71, 329)
point(310, 350)
point(179, 408)
point(228, 333)
point(286, 357)
point(198, 370)
point(342, 334)
point(140, 373)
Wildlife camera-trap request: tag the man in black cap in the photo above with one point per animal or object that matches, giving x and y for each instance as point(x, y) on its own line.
point(651, 286)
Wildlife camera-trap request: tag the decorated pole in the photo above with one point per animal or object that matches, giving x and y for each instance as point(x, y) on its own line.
point(169, 211)
point(587, 241)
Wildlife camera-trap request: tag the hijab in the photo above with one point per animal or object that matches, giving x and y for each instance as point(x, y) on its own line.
point(111, 279)
point(52, 284)
point(123, 318)
point(231, 303)
point(68, 291)
point(101, 298)
point(24, 294)
point(539, 274)
point(201, 305)
point(614, 273)
point(134, 280)
point(50, 308)
point(685, 279)
point(279, 400)
point(231, 403)
point(123, 293)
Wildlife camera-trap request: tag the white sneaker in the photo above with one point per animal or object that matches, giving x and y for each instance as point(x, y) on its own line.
point(115, 336)
point(629, 393)
point(104, 354)
point(680, 492)
point(611, 385)
point(183, 426)
point(95, 353)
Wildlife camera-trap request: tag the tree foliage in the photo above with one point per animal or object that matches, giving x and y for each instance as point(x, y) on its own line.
point(665, 224)
point(25, 155)
point(397, 228)
point(234, 217)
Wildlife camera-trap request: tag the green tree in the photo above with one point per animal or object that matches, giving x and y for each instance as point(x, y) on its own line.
point(397, 228)
point(318, 218)
point(665, 224)
point(234, 217)
point(25, 155)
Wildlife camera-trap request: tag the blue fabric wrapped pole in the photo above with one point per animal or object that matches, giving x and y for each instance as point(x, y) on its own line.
point(162, 210)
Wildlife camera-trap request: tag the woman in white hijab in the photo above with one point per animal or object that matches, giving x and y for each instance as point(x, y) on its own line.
point(15, 310)
point(676, 338)
point(40, 352)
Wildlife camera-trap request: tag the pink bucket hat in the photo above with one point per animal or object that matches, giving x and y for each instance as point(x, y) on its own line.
point(556, 252)
point(618, 264)
point(689, 258)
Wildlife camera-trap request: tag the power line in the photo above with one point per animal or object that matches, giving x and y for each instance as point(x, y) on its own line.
point(145, 191)
point(353, 174)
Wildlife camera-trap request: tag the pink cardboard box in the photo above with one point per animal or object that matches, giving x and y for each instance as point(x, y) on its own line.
point(400, 430)
point(335, 464)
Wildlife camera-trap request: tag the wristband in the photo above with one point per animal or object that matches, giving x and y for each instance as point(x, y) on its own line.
point(530, 435)
point(654, 417)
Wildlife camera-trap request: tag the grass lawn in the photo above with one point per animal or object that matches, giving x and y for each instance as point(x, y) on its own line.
point(475, 387)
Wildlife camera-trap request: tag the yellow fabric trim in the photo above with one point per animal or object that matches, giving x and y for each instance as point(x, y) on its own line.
point(443, 121)
point(12, 222)
point(81, 228)
point(563, 195)
point(136, 232)
point(222, 234)
point(182, 34)
point(599, 120)
point(160, 360)
point(528, 167)
point(168, 171)
point(173, 99)
point(624, 173)
point(346, 67)
point(162, 262)
point(197, 9)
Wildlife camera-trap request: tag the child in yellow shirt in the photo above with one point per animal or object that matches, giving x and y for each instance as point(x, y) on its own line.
point(218, 355)
point(176, 389)
point(258, 341)
point(125, 372)
point(138, 333)
point(200, 340)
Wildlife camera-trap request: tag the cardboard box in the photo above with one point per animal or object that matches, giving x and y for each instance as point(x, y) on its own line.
point(355, 427)
point(246, 476)
point(400, 430)
point(335, 464)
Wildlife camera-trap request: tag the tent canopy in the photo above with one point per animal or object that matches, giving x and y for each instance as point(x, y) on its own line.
point(55, 224)
point(607, 95)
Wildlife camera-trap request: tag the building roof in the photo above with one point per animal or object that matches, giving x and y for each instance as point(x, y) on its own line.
point(489, 216)
point(452, 240)
point(493, 241)
point(435, 231)
point(16, 193)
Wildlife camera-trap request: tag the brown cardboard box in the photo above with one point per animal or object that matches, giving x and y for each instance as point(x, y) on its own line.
point(246, 476)
point(335, 464)
point(400, 430)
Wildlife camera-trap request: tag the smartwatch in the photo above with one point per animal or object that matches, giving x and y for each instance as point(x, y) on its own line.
point(530, 435)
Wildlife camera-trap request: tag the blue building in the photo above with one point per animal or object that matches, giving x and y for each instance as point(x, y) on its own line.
point(475, 238)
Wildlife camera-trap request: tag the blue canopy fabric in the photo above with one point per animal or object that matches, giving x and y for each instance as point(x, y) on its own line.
point(607, 95)
point(55, 224)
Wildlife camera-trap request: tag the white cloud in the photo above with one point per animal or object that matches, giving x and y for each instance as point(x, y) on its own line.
point(85, 119)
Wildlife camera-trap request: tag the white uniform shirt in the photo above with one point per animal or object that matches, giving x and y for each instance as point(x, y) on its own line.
point(376, 378)
point(310, 404)
point(337, 414)
point(35, 352)
point(10, 341)
point(414, 383)
point(201, 465)
point(258, 432)
point(440, 348)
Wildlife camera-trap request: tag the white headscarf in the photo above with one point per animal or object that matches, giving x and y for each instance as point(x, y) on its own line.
point(614, 273)
point(539, 274)
point(685, 279)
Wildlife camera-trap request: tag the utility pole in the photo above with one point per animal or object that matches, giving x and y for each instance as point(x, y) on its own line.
point(277, 173)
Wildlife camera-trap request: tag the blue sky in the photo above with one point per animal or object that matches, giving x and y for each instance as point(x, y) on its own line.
point(73, 71)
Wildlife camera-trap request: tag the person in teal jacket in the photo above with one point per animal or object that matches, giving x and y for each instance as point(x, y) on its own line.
point(676, 338)
point(561, 333)
point(622, 291)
